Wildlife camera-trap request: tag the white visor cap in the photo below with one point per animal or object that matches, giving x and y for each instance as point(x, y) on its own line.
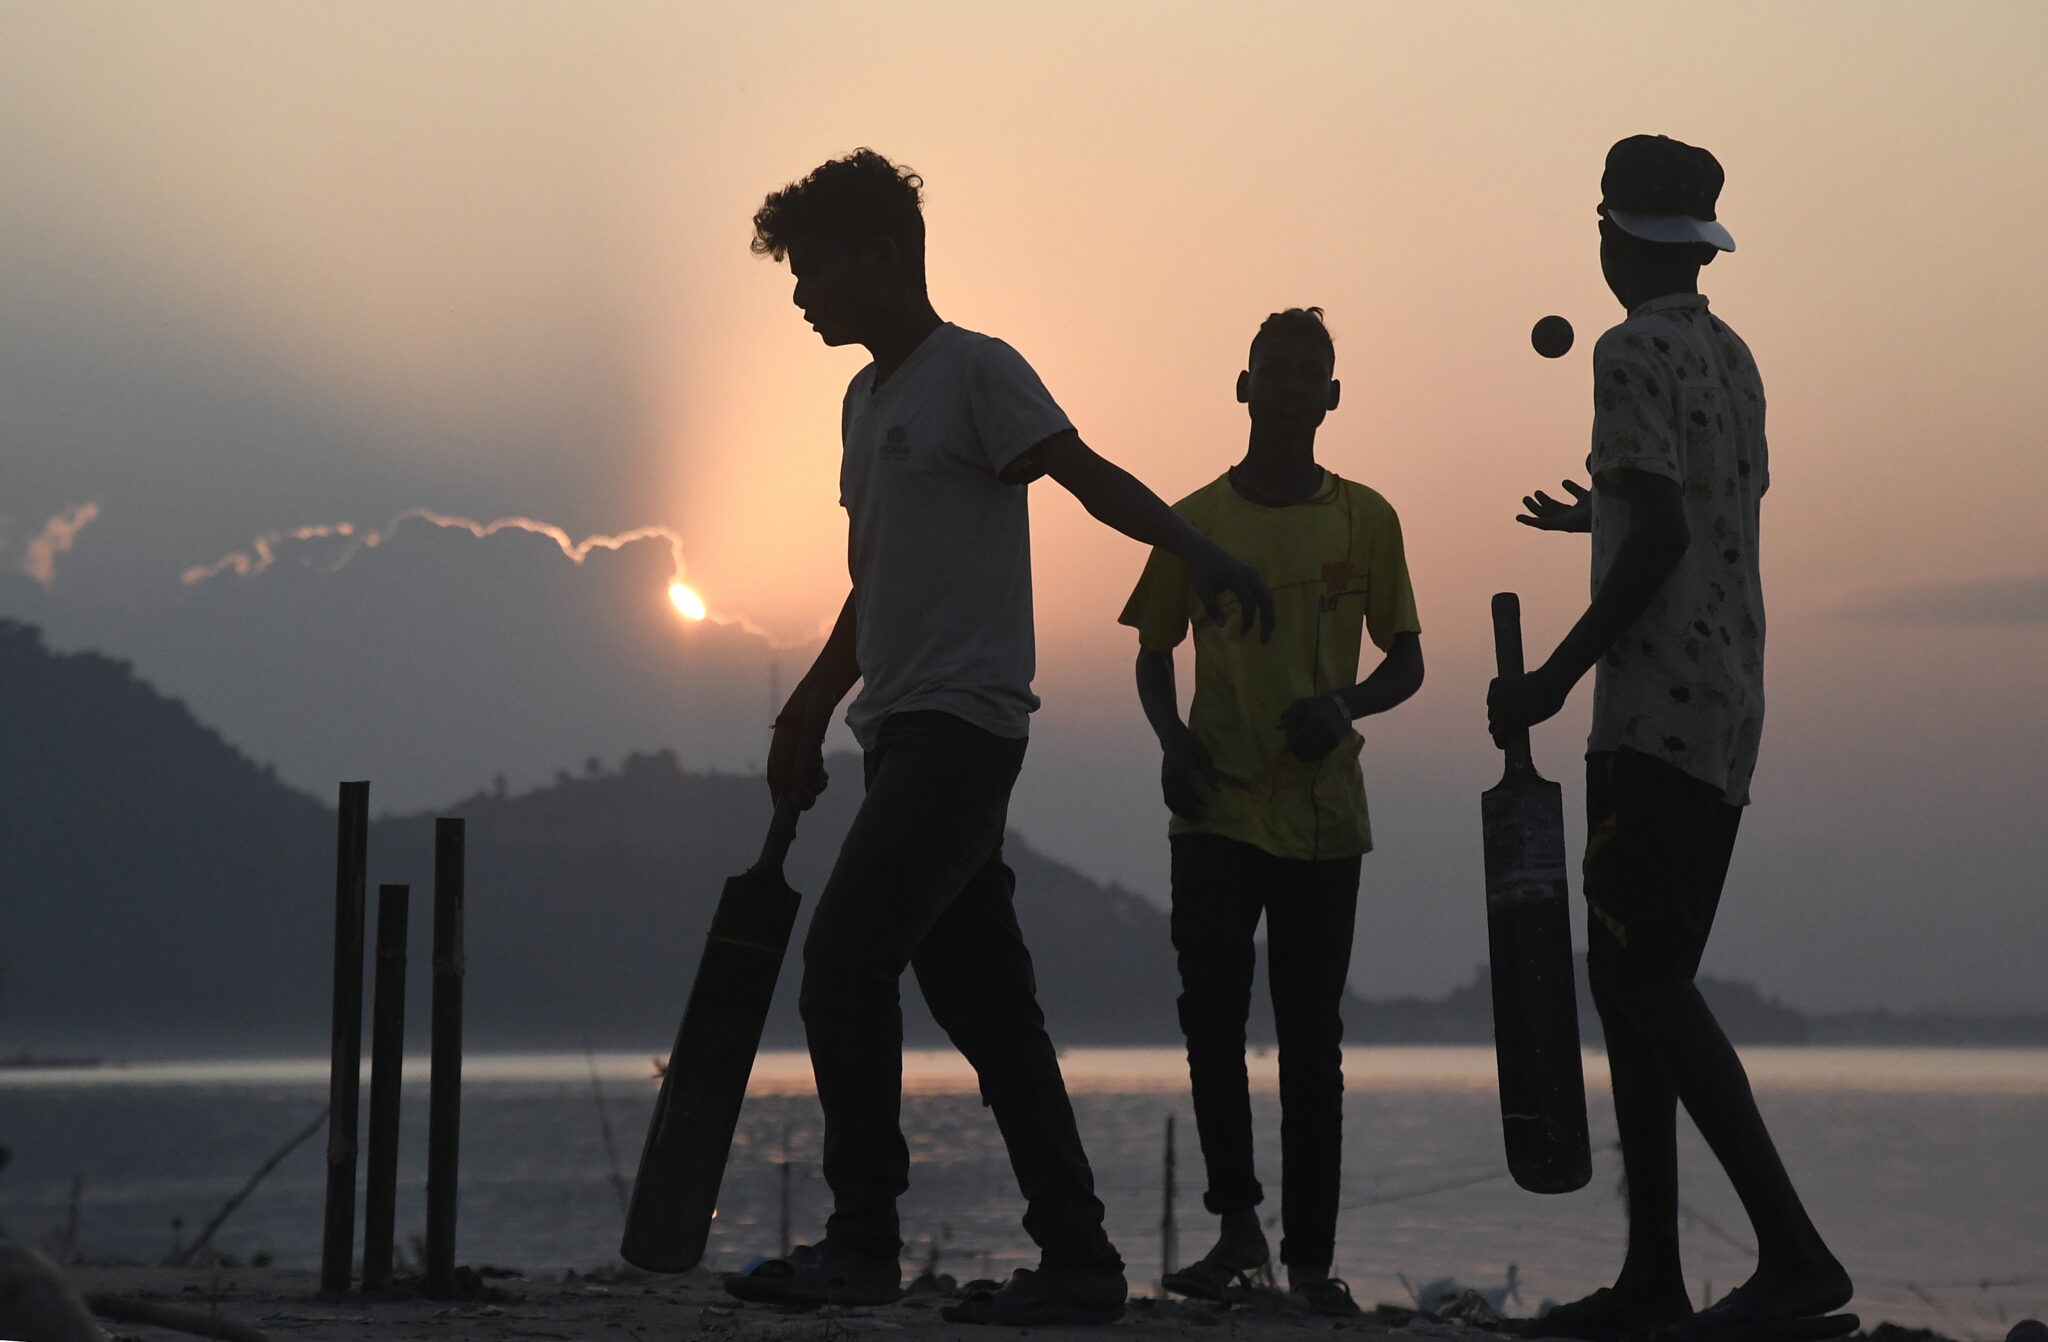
point(1672, 228)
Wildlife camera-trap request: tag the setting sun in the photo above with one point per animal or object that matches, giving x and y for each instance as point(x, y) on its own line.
point(687, 601)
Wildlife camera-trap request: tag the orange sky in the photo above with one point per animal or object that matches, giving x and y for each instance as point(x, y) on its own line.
point(1122, 196)
point(392, 194)
point(518, 233)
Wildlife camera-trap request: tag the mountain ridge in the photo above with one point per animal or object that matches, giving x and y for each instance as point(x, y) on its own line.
point(163, 890)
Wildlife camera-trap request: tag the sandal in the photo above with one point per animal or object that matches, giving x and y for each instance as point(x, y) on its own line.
point(1045, 1298)
point(819, 1275)
point(1211, 1279)
point(1604, 1316)
point(1327, 1295)
point(1736, 1319)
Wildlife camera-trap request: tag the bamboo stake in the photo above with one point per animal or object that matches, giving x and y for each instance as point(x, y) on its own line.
point(444, 1104)
point(345, 1061)
point(387, 1063)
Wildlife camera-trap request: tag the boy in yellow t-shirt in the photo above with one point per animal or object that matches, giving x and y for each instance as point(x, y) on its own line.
point(1268, 801)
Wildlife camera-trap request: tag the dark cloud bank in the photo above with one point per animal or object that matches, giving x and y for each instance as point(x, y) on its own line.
point(2019, 601)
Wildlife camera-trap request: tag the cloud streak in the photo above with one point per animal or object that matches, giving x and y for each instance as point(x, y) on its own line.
point(58, 535)
point(264, 550)
point(329, 547)
point(2022, 600)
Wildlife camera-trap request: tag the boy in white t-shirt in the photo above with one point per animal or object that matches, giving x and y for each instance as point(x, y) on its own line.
point(941, 433)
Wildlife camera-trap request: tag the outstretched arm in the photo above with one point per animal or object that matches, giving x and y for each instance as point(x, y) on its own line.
point(1315, 725)
point(1116, 498)
point(796, 753)
point(1656, 540)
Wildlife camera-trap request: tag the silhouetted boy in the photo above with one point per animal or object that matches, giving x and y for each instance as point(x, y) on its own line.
point(1268, 801)
point(941, 434)
point(1676, 627)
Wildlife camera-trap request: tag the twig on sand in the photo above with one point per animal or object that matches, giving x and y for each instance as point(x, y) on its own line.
point(604, 1123)
point(71, 1218)
point(121, 1309)
point(183, 1256)
point(1926, 1299)
point(1732, 1241)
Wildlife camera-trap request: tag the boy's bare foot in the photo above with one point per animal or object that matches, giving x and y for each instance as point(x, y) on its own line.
point(1785, 1301)
point(1238, 1263)
point(1797, 1290)
point(1241, 1243)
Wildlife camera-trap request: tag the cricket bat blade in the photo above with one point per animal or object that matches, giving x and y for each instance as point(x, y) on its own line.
point(675, 1194)
point(1529, 943)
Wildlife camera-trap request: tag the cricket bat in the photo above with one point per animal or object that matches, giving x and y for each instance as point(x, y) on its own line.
point(675, 1194)
point(1529, 937)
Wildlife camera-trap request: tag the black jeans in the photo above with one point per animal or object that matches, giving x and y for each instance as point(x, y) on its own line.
point(1220, 888)
point(921, 882)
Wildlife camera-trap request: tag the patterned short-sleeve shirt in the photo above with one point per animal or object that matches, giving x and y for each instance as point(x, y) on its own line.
point(1677, 394)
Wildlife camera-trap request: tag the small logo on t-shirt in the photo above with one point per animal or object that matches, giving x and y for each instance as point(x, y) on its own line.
point(896, 443)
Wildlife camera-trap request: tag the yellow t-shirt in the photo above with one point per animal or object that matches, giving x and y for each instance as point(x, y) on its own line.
point(1334, 562)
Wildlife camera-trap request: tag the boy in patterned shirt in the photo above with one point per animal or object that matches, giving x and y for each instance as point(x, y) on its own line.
point(1268, 801)
point(1676, 627)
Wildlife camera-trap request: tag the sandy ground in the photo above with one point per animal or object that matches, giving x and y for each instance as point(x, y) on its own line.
point(287, 1305)
point(253, 1304)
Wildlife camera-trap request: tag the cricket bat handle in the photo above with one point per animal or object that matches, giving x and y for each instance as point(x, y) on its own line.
point(1507, 660)
point(781, 833)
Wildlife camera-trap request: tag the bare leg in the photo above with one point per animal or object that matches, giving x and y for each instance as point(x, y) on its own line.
point(1796, 1274)
point(1652, 1281)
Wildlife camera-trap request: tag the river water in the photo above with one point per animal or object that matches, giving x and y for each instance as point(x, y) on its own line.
point(1926, 1168)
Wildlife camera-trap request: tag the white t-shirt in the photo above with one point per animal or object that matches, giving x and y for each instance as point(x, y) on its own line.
point(1676, 394)
point(938, 546)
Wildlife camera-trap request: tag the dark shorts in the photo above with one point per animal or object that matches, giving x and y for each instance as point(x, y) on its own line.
point(1657, 847)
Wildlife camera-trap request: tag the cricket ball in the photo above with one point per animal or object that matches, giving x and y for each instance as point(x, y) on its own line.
point(1552, 337)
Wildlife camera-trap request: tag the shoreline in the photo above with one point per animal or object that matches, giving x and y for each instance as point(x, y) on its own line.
point(624, 1303)
point(1936, 1240)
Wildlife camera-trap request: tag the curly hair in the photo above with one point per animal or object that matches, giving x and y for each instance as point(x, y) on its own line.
point(1301, 321)
point(856, 199)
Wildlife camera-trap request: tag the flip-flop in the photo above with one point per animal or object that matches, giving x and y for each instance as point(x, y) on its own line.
point(1031, 1299)
point(1329, 1296)
point(1735, 1319)
point(1603, 1316)
point(1207, 1279)
point(813, 1276)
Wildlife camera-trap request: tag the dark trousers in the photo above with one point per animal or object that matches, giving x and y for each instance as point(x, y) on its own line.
point(1220, 889)
point(921, 882)
point(1658, 846)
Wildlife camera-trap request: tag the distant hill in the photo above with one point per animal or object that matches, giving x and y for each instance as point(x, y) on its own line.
point(592, 896)
point(161, 892)
point(155, 882)
point(164, 892)
point(1465, 1015)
